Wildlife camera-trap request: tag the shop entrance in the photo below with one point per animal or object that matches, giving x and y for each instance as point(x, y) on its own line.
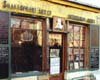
point(56, 55)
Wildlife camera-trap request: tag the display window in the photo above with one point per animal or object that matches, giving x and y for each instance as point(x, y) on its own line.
point(4, 45)
point(26, 44)
point(76, 46)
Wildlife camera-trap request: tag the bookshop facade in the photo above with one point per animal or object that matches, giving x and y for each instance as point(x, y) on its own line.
point(35, 44)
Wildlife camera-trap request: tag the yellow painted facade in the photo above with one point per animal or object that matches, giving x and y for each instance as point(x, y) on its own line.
point(56, 9)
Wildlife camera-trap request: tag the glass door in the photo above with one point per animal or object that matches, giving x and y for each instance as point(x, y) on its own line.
point(55, 53)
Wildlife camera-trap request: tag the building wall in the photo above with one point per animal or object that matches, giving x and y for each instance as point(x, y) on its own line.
point(57, 10)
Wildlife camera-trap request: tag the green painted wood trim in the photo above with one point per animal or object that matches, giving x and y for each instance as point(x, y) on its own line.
point(91, 76)
point(77, 70)
point(99, 46)
point(9, 29)
point(27, 74)
point(3, 79)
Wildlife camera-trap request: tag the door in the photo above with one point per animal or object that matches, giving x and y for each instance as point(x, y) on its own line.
point(56, 55)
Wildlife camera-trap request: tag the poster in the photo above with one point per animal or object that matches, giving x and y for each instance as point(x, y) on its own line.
point(54, 65)
point(58, 23)
point(76, 65)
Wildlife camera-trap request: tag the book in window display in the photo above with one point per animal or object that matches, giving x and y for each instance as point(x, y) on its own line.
point(59, 24)
point(77, 57)
point(81, 64)
point(82, 57)
point(71, 65)
point(81, 54)
point(76, 65)
point(71, 57)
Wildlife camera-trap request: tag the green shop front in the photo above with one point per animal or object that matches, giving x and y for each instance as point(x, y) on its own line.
point(40, 46)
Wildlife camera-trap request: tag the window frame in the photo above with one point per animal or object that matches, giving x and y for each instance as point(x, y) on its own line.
point(44, 55)
point(86, 55)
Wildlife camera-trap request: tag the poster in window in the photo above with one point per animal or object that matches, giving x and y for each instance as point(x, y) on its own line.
point(55, 65)
point(76, 65)
point(71, 65)
point(59, 24)
point(81, 56)
point(77, 57)
point(54, 52)
point(26, 36)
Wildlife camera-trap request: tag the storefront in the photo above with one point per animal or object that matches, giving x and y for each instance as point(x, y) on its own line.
point(35, 44)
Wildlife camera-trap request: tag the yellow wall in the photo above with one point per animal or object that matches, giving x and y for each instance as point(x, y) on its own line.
point(57, 10)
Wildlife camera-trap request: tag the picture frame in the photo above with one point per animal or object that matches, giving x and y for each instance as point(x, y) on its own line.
point(59, 24)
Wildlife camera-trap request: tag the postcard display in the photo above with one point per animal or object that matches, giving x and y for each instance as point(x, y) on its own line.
point(4, 49)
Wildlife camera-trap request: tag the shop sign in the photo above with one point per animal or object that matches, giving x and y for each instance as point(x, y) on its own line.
point(90, 21)
point(74, 17)
point(26, 8)
point(78, 18)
